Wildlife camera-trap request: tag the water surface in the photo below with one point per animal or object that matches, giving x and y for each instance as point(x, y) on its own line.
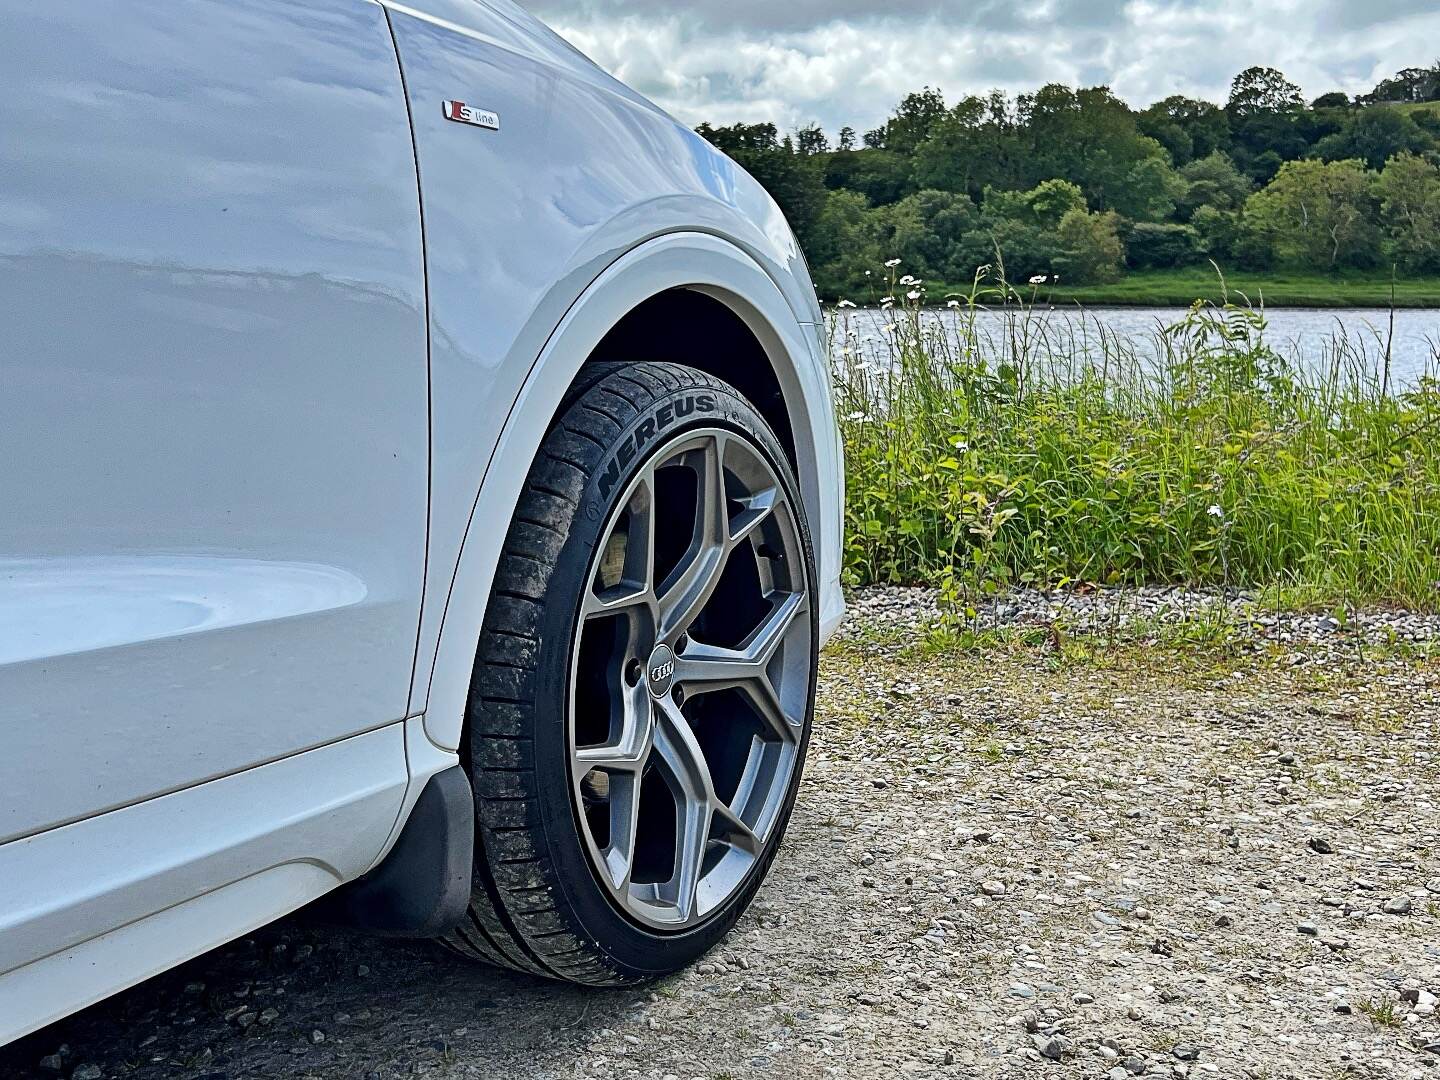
point(1310, 336)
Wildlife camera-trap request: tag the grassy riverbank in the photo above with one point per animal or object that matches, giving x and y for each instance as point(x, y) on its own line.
point(1180, 288)
point(982, 458)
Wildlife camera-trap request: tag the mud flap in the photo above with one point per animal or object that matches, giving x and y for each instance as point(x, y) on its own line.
point(422, 889)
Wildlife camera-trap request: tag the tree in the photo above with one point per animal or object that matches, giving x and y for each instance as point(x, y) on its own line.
point(1333, 100)
point(845, 244)
point(1409, 191)
point(1089, 247)
point(1187, 128)
point(1263, 90)
point(1087, 136)
point(811, 140)
point(1051, 200)
point(737, 138)
point(1156, 246)
point(1213, 181)
point(1412, 84)
point(882, 176)
point(1018, 247)
point(973, 146)
point(1218, 232)
point(914, 120)
point(925, 231)
point(1149, 191)
point(1375, 135)
point(847, 139)
point(1316, 214)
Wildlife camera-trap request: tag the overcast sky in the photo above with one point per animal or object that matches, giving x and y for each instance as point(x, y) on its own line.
point(848, 61)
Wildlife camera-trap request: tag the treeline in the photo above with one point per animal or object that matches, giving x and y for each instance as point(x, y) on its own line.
point(1078, 184)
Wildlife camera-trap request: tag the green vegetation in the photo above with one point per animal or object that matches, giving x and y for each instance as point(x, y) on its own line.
point(981, 459)
point(1075, 185)
point(1273, 288)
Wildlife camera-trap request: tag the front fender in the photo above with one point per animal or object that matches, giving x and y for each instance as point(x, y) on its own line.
point(679, 260)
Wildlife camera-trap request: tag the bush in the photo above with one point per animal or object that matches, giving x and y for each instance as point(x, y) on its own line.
point(1089, 250)
point(1150, 246)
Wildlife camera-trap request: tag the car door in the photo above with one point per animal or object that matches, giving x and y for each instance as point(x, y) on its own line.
point(213, 393)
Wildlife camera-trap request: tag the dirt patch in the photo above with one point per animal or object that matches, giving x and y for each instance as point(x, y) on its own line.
point(1022, 862)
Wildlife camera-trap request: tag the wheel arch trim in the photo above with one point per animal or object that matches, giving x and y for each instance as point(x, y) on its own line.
point(698, 261)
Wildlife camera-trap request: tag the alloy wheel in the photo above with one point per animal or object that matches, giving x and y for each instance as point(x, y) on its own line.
point(690, 680)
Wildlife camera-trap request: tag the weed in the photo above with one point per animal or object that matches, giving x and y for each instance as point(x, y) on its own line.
point(1381, 1011)
point(982, 460)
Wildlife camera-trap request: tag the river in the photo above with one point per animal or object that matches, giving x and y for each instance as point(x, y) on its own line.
point(1307, 335)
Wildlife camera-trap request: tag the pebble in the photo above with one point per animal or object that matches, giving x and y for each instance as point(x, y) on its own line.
point(1053, 1047)
point(1398, 905)
point(1048, 776)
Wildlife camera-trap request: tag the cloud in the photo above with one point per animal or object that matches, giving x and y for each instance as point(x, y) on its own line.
point(846, 62)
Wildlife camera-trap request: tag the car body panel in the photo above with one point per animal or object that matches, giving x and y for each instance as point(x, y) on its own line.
point(521, 222)
point(212, 394)
point(693, 260)
point(282, 344)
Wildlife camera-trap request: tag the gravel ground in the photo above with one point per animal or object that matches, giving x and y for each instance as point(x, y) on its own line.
point(1038, 861)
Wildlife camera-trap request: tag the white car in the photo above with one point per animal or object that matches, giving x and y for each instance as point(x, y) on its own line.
point(419, 484)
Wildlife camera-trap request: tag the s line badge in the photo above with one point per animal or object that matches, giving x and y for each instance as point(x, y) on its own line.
point(468, 114)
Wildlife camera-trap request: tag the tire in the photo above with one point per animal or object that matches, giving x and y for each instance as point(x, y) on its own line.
point(563, 886)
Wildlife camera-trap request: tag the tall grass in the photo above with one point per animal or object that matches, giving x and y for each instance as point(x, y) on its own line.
point(1050, 453)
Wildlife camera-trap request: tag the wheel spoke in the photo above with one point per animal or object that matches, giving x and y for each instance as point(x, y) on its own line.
point(630, 562)
point(678, 748)
point(696, 580)
point(765, 701)
point(756, 510)
point(631, 748)
point(737, 833)
point(705, 669)
point(623, 764)
point(624, 820)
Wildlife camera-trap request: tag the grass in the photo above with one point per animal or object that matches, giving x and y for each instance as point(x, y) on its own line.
point(1048, 456)
point(1279, 288)
point(1382, 1012)
point(1413, 107)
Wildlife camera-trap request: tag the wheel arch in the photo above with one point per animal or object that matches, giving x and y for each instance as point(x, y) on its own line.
point(655, 290)
point(718, 341)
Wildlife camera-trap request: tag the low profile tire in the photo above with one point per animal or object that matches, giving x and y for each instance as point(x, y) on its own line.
point(643, 694)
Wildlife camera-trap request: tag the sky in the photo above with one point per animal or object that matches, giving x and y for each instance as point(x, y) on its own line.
point(847, 62)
